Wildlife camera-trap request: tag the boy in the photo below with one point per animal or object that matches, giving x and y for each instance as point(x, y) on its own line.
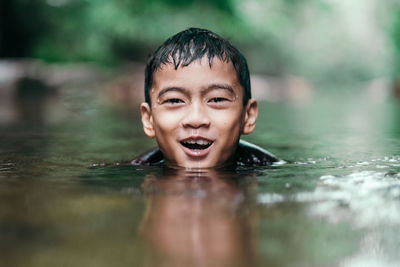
point(198, 103)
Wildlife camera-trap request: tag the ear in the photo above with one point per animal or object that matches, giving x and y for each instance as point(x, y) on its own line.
point(147, 120)
point(250, 116)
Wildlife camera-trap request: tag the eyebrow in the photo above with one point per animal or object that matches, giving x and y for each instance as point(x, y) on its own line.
point(220, 86)
point(172, 88)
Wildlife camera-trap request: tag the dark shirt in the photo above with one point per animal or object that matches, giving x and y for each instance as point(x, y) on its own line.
point(246, 154)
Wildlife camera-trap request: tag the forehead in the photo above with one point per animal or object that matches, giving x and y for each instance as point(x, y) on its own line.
point(197, 75)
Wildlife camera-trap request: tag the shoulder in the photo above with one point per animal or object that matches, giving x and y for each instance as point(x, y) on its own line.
point(248, 154)
point(152, 157)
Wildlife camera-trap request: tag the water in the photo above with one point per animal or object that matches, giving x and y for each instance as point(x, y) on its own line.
point(336, 202)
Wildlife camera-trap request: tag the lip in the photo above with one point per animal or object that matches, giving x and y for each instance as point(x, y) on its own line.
point(196, 153)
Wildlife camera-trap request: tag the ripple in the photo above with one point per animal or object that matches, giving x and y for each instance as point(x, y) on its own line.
point(366, 198)
point(6, 167)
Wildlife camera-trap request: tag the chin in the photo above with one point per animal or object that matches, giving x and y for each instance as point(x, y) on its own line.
point(198, 165)
point(194, 164)
point(205, 165)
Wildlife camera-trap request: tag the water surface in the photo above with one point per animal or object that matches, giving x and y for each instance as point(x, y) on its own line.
point(336, 202)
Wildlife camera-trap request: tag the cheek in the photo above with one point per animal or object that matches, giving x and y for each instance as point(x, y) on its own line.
point(227, 120)
point(166, 121)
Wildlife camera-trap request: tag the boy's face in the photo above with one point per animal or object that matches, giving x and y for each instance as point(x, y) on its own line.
point(197, 113)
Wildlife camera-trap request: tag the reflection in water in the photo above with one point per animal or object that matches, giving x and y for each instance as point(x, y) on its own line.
point(198, 219)
point(336, 204)
point(22, 155)
point(29, 135)
point(31, 99)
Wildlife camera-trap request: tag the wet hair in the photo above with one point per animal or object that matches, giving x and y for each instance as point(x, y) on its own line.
point(193, 44)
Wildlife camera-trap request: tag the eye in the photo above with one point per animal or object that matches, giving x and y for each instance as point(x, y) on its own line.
point(173, 101)
point(217, 99)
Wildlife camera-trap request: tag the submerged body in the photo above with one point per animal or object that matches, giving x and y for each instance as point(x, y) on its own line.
point(246, 154)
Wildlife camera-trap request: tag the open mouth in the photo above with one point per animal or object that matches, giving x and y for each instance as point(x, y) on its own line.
point(200, 144)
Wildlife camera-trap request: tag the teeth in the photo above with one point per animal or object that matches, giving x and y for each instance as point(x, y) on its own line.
point(202, 142)
point(198, 142)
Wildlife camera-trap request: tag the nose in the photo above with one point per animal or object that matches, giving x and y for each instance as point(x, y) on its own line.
point(196, 116)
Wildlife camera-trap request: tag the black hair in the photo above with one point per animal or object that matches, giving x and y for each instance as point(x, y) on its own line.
point(192, 44)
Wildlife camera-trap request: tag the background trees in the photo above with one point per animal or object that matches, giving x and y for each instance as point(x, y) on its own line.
point(320, 39)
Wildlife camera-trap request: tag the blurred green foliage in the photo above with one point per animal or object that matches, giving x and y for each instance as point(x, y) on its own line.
point(394, 32)
point(314, 38)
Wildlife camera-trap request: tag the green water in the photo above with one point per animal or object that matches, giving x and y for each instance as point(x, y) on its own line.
point(336, 202)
